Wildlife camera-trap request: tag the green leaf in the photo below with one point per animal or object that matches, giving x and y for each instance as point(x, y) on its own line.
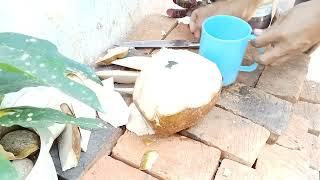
point(7, 171)
point(42, 63)
point(13, 79)
point(43, 117)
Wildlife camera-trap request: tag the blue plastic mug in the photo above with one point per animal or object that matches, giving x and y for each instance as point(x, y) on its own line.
point(224, 41)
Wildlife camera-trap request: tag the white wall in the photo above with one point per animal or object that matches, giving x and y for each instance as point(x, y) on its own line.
point(81, 29)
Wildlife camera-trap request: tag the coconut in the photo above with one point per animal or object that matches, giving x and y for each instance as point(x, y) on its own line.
point(176, 89)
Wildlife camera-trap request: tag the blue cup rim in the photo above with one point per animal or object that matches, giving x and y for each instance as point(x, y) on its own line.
point(228, 16)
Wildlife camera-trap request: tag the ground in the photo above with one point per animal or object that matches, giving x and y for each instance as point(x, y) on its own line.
point(265, 126)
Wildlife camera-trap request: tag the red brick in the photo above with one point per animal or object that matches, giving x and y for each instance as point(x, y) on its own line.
point(250, 78)
point(238, 138)
point(179, 157)
point(294, 136)
point(313, 146)
point(310, 113)
point(152, 28)
point(231, 170)
point(259, 107)
point(310, 92)
point(277, 162)
point(285, 80)
point(313, 175)
point(181, 31)
point(109, 168)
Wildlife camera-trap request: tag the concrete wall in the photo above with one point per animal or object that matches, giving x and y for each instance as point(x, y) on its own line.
point(81, 29)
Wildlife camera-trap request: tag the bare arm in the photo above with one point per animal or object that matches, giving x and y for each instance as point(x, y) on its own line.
point(240, 8)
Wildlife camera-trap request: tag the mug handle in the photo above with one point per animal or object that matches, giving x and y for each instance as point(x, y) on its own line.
point(253, 66)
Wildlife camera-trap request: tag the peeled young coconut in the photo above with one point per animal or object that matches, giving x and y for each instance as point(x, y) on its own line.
point(176, 89)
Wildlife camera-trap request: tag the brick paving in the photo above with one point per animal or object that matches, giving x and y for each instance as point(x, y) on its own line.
point(267, 127)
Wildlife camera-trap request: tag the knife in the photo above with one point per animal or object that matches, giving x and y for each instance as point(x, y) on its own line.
point(160, 44)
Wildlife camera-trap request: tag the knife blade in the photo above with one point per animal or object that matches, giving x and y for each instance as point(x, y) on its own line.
point(160, 44)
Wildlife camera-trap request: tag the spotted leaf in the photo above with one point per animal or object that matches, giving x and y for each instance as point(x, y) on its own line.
point(7, 171)
point(13, 79)
point(41, 63)
point(43, 117)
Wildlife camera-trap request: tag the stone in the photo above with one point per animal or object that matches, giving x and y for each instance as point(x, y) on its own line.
point(231, 170)
point(108, 168)
point(277, 162)
point(23, 167)
point(21, 143)
point(101, 143)
point(238, 138)
point(5, 130)
point(259, 107)
point(285, 80)
point(178, 157)
point(310, 113)
point(310, 92)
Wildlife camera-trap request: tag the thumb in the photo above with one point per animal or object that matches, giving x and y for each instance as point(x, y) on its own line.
point(193, 21)
point(270, 35)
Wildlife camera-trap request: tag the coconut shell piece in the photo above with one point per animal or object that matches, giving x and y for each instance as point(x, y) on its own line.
point(113, 54)
point(69, 143)
point(119, 76)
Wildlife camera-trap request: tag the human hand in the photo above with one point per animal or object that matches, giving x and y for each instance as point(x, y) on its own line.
point(293, 34)
point(240, 8)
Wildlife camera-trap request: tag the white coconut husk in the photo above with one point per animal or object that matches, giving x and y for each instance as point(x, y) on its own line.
point(176, 90)
point(113, 54)
point(119, 76)
point(133, 62)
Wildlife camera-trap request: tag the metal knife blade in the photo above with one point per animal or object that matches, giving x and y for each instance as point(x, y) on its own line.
point(160, 44)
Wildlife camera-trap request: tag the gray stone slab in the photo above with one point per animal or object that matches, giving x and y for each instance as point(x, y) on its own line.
point(101, 142)
point(261, 108)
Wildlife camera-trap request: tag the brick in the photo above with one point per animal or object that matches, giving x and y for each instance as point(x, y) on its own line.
point(313, 175)
point(285, 80)
point(295, 135)
point(238, 138)
point(152, 28)
point(114, 170)
point(311, 115)
point(179, 157)
point(101, 143)
point(250, 78)
point(277, 162)
point(310, 92)
point(259, 107)
point(182, 32)
point(313, 146)
point(231, 170)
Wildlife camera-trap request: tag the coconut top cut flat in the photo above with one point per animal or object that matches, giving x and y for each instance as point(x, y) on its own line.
point(176, 80)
